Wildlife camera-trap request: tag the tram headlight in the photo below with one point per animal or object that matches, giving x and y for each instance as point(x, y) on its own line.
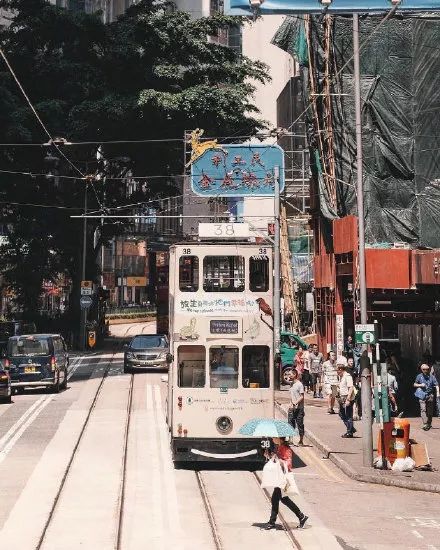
point(224, 425)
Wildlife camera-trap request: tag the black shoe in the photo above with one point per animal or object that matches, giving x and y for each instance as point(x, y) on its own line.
point(354, 431)
point(302, 521)
point(347, 435)
point(269, 526)
point(425, 427)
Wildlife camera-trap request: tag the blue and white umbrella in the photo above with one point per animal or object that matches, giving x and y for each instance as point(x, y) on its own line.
point(267, 427)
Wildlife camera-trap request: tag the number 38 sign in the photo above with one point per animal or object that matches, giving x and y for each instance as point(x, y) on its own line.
point(224, 230)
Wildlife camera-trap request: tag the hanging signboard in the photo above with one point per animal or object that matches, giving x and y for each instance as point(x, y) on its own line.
point(238, 171)
point(286, 7)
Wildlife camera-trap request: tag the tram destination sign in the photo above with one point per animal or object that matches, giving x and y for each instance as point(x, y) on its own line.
point(223, 326)
point(286, 7)
point(238, 171)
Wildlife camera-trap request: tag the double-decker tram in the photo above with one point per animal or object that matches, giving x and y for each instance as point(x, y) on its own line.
point(221, 338)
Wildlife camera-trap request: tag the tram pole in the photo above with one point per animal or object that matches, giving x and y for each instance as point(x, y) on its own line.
point(276, 279)
point(367, 440)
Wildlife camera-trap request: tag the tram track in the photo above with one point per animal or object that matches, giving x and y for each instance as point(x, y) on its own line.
point(74, 452)
point(209, 511)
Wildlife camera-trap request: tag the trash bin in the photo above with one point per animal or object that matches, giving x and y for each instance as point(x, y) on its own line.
point(400, 434)
point(396, 439)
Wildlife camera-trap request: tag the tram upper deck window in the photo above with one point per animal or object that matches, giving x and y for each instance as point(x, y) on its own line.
point(223, 366)
point(191, 361)
point(259, 274)
point(223, 274)
point(255, 361)
point(189, 273)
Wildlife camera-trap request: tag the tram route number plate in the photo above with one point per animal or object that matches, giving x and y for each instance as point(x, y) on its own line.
point(223, 327)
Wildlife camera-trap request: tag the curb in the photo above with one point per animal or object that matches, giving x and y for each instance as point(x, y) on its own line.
point(364, 478)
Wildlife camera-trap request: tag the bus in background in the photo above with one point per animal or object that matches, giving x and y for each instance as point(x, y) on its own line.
point(221, 342)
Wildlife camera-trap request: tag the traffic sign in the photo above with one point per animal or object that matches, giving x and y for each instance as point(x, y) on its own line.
point(86, 291)
point(85, 302)
point(286, 7)
point(365, 334)
point(86, 284)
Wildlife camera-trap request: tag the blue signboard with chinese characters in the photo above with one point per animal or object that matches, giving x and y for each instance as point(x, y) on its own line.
point(285, 7)
point(238, 171)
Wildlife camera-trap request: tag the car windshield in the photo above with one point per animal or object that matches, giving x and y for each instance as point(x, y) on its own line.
point(29, 346)
point(148, 341)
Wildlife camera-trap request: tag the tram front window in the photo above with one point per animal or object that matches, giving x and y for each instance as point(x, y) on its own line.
point(255, 366)
point(191, 366)
point(223, 274)
point(189, 273)
point(223, 367)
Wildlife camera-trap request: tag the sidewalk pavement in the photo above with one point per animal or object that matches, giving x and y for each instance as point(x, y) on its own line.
point(324, 431)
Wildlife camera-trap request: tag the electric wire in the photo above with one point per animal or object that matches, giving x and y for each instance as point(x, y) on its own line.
point(37, 116)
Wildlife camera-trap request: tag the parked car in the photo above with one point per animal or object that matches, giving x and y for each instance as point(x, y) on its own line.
point(14, 328)
point(146, 350)
point(5, 385)
point(36, 360)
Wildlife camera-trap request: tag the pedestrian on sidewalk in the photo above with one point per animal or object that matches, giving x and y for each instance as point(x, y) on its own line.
point(315, 364)
point(331, 381)
point(435, 371)
point(346, 396)
point(295, 414)
point(306, 378)
point(426, 385)
point(281, 452)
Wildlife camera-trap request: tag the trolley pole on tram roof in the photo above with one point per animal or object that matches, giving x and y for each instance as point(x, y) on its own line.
point(276, 276)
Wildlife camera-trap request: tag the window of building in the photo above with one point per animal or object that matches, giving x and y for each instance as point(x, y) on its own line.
point(191, 361)
point(259, 274)
point(223, 366)
point(255, 361)
point(189, 273)
point(223, 274)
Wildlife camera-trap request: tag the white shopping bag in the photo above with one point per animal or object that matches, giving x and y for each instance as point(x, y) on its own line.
point(273, 475)
point(291, 488)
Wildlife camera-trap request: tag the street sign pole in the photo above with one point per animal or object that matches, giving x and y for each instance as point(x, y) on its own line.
point(276, 277)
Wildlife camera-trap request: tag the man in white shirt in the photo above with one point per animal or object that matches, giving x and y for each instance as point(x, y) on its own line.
point(346, 399)
point(296, 409)
point(331, 380)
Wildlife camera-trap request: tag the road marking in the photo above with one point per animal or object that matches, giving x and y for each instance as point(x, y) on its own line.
point(416, 534)
point(326, 471)
point(14, 433)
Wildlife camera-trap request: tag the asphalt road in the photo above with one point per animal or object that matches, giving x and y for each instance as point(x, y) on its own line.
point(90, 468)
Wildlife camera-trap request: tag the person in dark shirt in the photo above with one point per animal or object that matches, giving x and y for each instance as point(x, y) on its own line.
point(426, 385)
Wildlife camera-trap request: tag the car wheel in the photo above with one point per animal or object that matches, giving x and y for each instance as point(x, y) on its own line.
point(286, 377)
point(64, 383)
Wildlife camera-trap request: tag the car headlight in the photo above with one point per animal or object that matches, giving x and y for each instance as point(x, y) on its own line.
point(129, 355)
point(163, 355)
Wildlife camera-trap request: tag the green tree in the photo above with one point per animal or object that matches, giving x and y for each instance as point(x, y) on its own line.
point(152, 74)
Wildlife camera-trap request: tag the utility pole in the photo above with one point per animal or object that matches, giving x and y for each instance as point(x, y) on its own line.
point(276, 276)
point(364, 362)
point(83, 318)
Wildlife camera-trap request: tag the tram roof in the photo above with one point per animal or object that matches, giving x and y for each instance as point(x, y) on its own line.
point(220, 242)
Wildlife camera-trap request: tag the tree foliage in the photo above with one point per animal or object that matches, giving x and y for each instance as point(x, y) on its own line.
point(152, 74)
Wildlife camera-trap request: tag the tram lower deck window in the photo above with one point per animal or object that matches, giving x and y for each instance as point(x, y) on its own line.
point(191, 361)
point(223, 366)
point(189, 273)
point(223, 274)
point(255, 361)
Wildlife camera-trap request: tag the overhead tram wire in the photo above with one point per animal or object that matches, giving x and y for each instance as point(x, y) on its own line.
point(46, 131)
